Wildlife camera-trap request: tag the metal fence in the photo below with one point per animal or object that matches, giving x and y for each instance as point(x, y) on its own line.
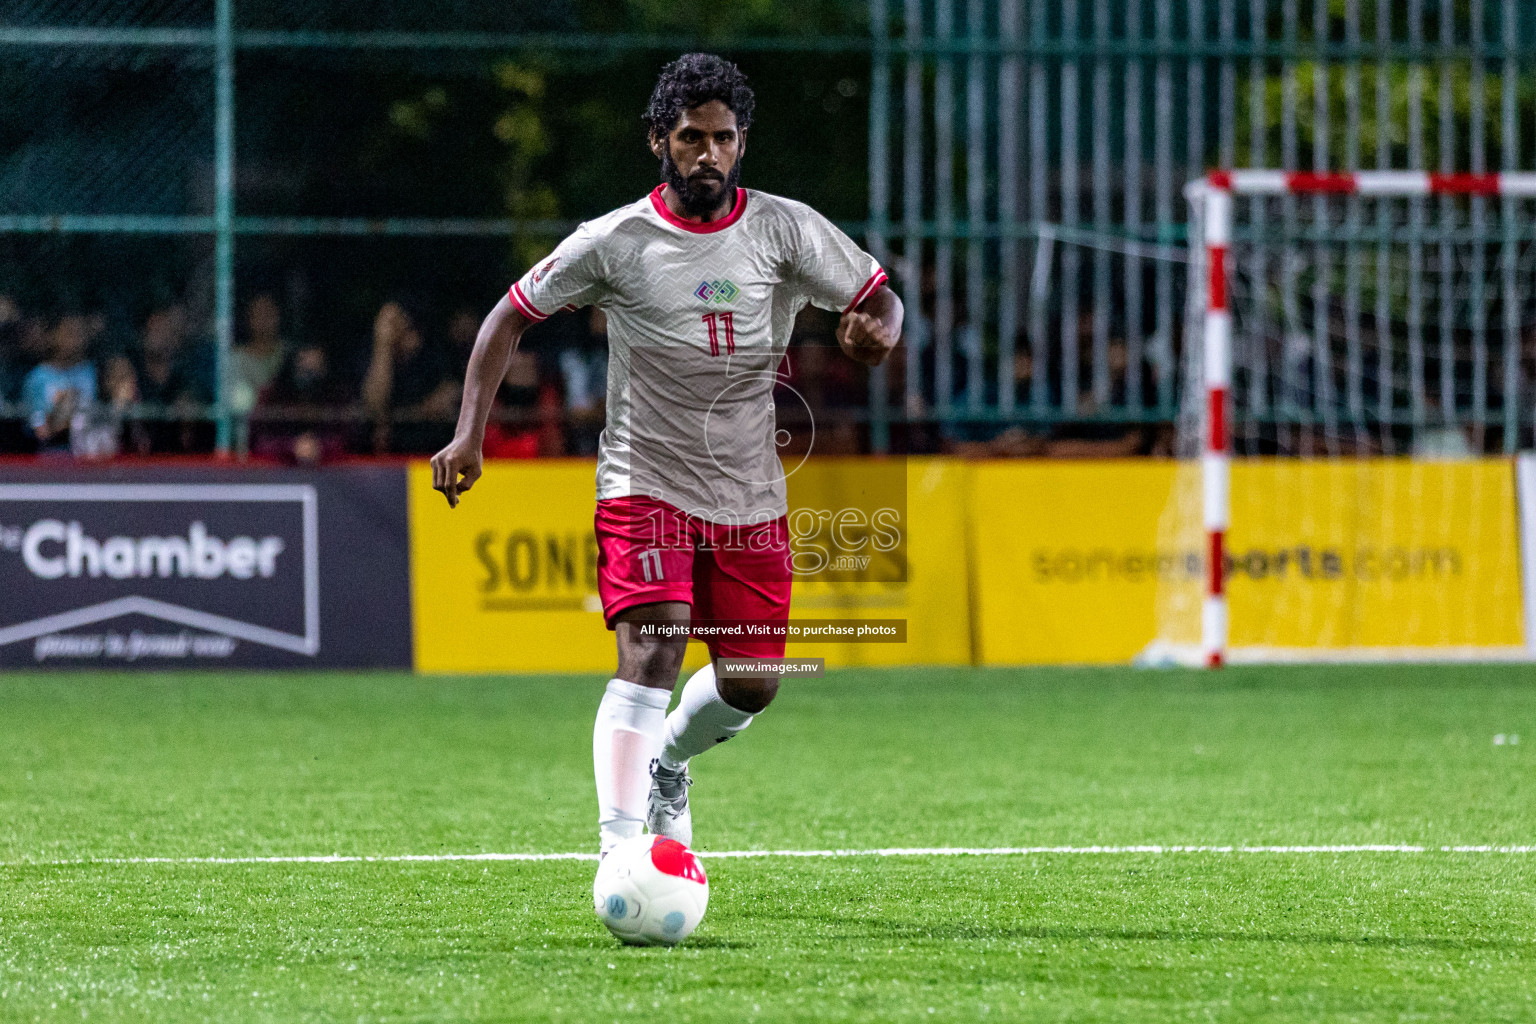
point(165, 141)
point(1026, 159)
point(1027, 163)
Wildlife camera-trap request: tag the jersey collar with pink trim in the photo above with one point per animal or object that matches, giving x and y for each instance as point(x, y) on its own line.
point(667, 215)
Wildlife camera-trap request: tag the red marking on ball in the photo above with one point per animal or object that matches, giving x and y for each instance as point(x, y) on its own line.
point(673, 858)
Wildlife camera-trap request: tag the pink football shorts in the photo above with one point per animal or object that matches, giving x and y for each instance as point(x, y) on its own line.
point(649, 550)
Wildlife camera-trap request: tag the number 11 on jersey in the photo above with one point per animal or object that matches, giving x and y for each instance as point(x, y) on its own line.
point(715, 322)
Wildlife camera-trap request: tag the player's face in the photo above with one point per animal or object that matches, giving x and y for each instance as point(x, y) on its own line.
point(701, 157)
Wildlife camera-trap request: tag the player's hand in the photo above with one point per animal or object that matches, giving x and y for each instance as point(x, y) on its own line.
point(456, 468)
point(864, 338)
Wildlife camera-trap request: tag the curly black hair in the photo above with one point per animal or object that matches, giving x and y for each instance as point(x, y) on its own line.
point(692, 80)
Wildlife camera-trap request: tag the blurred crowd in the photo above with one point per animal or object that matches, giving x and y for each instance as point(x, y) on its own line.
point(76, 382)
point(69, 383)
point(72, 382)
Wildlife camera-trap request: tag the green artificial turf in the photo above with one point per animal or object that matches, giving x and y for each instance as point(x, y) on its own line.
point(247, 765)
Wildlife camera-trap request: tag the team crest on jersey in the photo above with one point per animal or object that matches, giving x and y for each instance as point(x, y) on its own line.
point(717, 291)
point(538, 275)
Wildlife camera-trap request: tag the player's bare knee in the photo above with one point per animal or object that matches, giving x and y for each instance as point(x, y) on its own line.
point(749, 695)
point(651, 647)
point(661, 661)
point(651, 661)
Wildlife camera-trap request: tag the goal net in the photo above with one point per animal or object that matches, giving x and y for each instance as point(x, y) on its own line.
point(1351, 377)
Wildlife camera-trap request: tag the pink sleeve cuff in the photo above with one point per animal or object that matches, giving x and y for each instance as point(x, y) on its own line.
point(523, 305)
point(875, 281)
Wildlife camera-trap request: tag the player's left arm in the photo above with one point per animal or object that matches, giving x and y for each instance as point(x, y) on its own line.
point(870, 331)
point(835, 274)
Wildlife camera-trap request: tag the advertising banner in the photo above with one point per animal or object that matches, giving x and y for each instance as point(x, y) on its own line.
point(914, 568)
point(1067, 562)
point(1367, 555)
point(507, 582)
point(1384, 557)
point(1526, 470)
point(202, 567)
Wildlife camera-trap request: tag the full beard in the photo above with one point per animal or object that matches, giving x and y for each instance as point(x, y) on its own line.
point(703, 193)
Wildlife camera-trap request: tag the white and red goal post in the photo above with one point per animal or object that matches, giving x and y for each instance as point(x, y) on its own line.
point(1216, 193)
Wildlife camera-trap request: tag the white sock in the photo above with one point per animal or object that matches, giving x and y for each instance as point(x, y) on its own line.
point(701, 719)
point(627, 735)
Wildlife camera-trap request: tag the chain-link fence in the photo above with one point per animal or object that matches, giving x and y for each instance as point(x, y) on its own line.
point(232, 210)
point(217, 200)
point(1028, 161)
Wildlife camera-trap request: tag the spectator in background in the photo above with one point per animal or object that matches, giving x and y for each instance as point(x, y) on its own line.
point(64, 384)
point(303, 386)
point(119, 382)
point(253, 364)
point(170, 379)
point(97, 338)
point(818, 382)
point(583, 363)
point(982, 439)
point(1522, 389)
point(410, 380)
point(20, 350)
point(12, 369)
point(103, 430)
point(24, 343)
point(463, 328)
point(1441, 438)
point(1101, 439)
point(32, 343)
point(1096, 436)
point(513, 431)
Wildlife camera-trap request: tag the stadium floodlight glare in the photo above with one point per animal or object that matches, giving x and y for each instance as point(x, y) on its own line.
point(1442, 281)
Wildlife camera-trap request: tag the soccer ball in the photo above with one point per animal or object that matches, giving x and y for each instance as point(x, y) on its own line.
point(650, 891)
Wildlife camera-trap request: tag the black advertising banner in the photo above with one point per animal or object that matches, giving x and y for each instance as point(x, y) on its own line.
point(204, 567)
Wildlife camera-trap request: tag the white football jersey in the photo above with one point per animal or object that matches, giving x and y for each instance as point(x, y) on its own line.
point(699, 318)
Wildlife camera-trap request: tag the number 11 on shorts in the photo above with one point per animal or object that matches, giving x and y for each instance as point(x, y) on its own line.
point(650, 565)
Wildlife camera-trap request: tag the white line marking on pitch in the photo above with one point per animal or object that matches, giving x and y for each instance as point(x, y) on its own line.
point(895, 851)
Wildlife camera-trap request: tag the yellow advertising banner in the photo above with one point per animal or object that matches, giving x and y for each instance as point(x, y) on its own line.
point(1374, 554)
point(1066, 559)
point(924, 578)
point(1075, 563)
point(507, 582)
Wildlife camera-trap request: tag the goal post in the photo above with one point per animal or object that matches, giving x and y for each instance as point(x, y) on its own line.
point(1365, 315)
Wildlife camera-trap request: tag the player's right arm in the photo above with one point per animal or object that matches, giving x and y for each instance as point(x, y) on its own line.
point(456, 468)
